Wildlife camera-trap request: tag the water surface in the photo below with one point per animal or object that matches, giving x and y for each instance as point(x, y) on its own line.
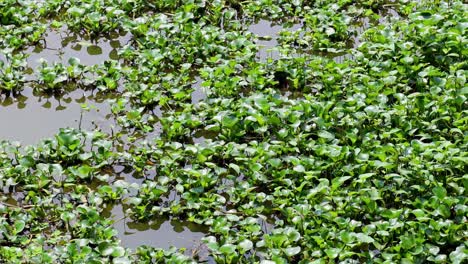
point(268, 33)
point(28, 119)
point(60, 45)
point(198, 94)
point(159, 233)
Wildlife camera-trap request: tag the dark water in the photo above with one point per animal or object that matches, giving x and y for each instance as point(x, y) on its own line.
point(28, 119)
point(201, 136)
point(61, 45)
point(268, 32)
point(198, 94)
point(159, 233)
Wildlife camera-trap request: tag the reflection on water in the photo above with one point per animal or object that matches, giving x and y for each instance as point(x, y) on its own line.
point(11, 199)
point(60, 45)
point(198, 94)
point(268, 34)
point(201, 136)
point(128, 174)
point(160, 233)
point(388, 12)
point(28, 118)
point(268, 31)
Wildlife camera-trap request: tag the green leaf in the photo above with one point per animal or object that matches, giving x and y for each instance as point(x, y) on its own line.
point(75, 11)
point(94, 50)
point(407, 241)
point(19, 226)
point(337, 182)
point(330, 31)
point(275, 162)
point(67, 216)
point(27, 161)
point(105, 248)
point(363, 238)
point(460, 255)
point(292, 251)
point(439, 192)
point(346, 237)
point(68, 139)
point(227, 249)
point(326, 135)
point(121, 260)
point(235, 167)
point(299, 168)
point(229, 121)
point(332, 253)
point(245, 245)
point(83, 172)
point(118, 251)
point(74, 61)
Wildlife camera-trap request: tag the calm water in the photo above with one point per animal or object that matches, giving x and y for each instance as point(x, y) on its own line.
point(160, 233)
point(198, 94)
point(61, 45)
point(28, 119)
point(268, 29)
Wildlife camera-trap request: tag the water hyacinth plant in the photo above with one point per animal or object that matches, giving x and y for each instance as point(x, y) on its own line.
point(281, 131)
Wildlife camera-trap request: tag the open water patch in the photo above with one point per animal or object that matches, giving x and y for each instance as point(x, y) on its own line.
point(59, 45)
point(268, 33)
point(28, 118)
point(198, 93)
point(159, 233)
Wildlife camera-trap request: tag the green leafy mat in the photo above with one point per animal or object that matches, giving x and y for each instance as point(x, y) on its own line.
point(348, 144)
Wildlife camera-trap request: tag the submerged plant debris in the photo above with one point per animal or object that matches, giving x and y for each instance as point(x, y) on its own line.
point(263, 131)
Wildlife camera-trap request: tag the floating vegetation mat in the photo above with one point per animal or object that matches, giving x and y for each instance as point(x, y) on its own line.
point(261, 131)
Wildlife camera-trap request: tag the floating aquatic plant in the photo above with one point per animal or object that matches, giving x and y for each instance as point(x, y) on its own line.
point(296, 158)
